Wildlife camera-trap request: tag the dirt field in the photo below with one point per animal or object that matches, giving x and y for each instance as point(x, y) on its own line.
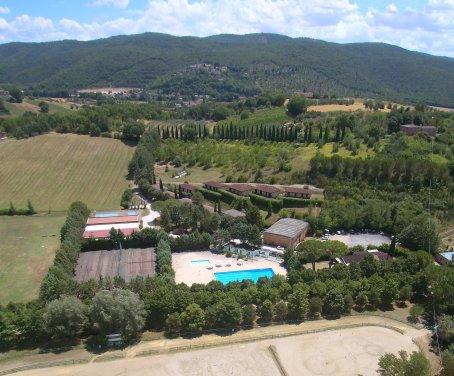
point(357, 106)
point(127, 263)
point(337, 352)
point(54, 170)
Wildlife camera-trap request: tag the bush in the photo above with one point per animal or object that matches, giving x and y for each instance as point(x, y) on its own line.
point(210, 195)
point(292, 202)
point(228, 197)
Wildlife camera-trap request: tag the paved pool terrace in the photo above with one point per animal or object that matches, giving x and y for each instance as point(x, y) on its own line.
point(189, 272)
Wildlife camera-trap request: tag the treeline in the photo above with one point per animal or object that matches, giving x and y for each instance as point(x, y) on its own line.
point(59, 280)
point(268, 132)
point(141, 166)
point(12, 210)
point(413, 173)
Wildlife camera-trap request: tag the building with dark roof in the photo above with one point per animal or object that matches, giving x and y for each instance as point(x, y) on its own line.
point(412, 129)
point(214, 185)
point(266, 190)
point(445, 258)
point(287, 232)
point(296, 192)
point(360, 256)
point(234, 213)
point(240, 189)
point(187, 188)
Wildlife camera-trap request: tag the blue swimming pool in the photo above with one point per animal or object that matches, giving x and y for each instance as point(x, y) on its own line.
point(200, 262)
point(113, 214)
point(239, 275)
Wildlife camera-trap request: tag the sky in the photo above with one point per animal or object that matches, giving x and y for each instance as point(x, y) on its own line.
point(420, 25)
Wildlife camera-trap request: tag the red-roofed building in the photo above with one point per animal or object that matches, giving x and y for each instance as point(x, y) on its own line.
point(102, 234)
point(240, 189)
point(266, 190)
point(298, 192)
point(214, 185)
point(188, 188)
point(112, 220)
point(412, 129)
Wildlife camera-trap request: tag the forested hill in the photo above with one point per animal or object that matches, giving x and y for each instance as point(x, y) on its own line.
point(255, 62)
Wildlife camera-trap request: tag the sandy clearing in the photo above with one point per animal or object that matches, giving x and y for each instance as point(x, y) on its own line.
point(352, 240)
point(337, 352)
point(188, 273)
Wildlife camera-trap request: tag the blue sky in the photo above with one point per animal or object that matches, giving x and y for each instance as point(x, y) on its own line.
point(422, 25)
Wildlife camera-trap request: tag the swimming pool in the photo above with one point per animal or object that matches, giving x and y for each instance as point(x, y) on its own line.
point(200, 262)
point(239, 275)
point(114, 214)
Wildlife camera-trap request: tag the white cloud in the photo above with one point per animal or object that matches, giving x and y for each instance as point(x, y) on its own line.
point(111, 3)
point(4, 10)
point(429, 30)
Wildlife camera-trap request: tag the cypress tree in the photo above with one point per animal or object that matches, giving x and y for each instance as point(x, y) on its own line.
point(175, 191)
point(230, 136)
point(306, 128)
point(180, 192)
point(173, 132)
point(320, 133)
point(337, 137)
point(261, 131)
point(205, 131)
point(282, 136)
point(309, 136)
point(161, 186)
point(199, 131)
point(326, 135)
point(257, 131)
point(181, 133)
point(285, 134)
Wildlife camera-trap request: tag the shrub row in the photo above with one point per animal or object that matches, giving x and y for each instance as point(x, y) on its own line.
point(292, 202)
point(60, 276)
point(210, 195)
point(228, 197)
point(164, 260)
point(262, 202)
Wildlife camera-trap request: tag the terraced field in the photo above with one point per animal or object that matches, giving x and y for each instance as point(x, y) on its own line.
point(54, 170)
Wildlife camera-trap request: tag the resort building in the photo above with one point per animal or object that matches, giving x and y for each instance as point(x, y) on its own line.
point(445, 258)
point(287, 232)
point(240, 189)
point(296, 192)
point(266, 190)
point(360, 256)
point(214, 185)
point(99, 224)
point(187, 188)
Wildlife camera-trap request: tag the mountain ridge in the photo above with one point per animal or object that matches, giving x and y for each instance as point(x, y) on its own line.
point(255, 62)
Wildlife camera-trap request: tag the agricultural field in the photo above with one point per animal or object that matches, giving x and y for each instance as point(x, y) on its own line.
point(54, 170)
point(31, 105)
point(55, 105)
point(357, 106)
point(27, 247)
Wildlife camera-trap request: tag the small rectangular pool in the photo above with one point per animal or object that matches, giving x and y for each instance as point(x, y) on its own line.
point(200, 262)
point(239, 275)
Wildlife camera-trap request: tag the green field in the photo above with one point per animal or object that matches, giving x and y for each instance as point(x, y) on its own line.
point(27, 250)
point(54, 170)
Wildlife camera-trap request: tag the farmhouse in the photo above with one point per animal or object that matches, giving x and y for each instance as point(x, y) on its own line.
point(187, 188)
point(240, 189)
point(214, 185)
point(266, 190)
point(296, 192)
point(360, 256)
point(412, 129)
point(287, 232)
point(234, 213)
point(445, 258)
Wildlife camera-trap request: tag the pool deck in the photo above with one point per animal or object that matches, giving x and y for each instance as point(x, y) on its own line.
point(188, 273)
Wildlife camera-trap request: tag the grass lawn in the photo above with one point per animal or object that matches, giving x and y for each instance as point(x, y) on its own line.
point(54, 106)
point(27, 250)
point(54, 170)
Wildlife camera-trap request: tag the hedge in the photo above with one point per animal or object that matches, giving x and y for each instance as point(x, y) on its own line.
point(210, 195)
point(228, 197)
point(262, 202)
point(292, 202)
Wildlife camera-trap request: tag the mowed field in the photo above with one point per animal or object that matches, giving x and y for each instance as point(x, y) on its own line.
point(54, 170)
point(27, 249)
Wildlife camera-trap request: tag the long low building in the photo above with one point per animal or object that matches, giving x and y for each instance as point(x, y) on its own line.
point(99, 224)
point(287, 232)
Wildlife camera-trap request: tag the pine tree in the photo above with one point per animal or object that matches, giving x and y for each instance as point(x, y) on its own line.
point(161, 186)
